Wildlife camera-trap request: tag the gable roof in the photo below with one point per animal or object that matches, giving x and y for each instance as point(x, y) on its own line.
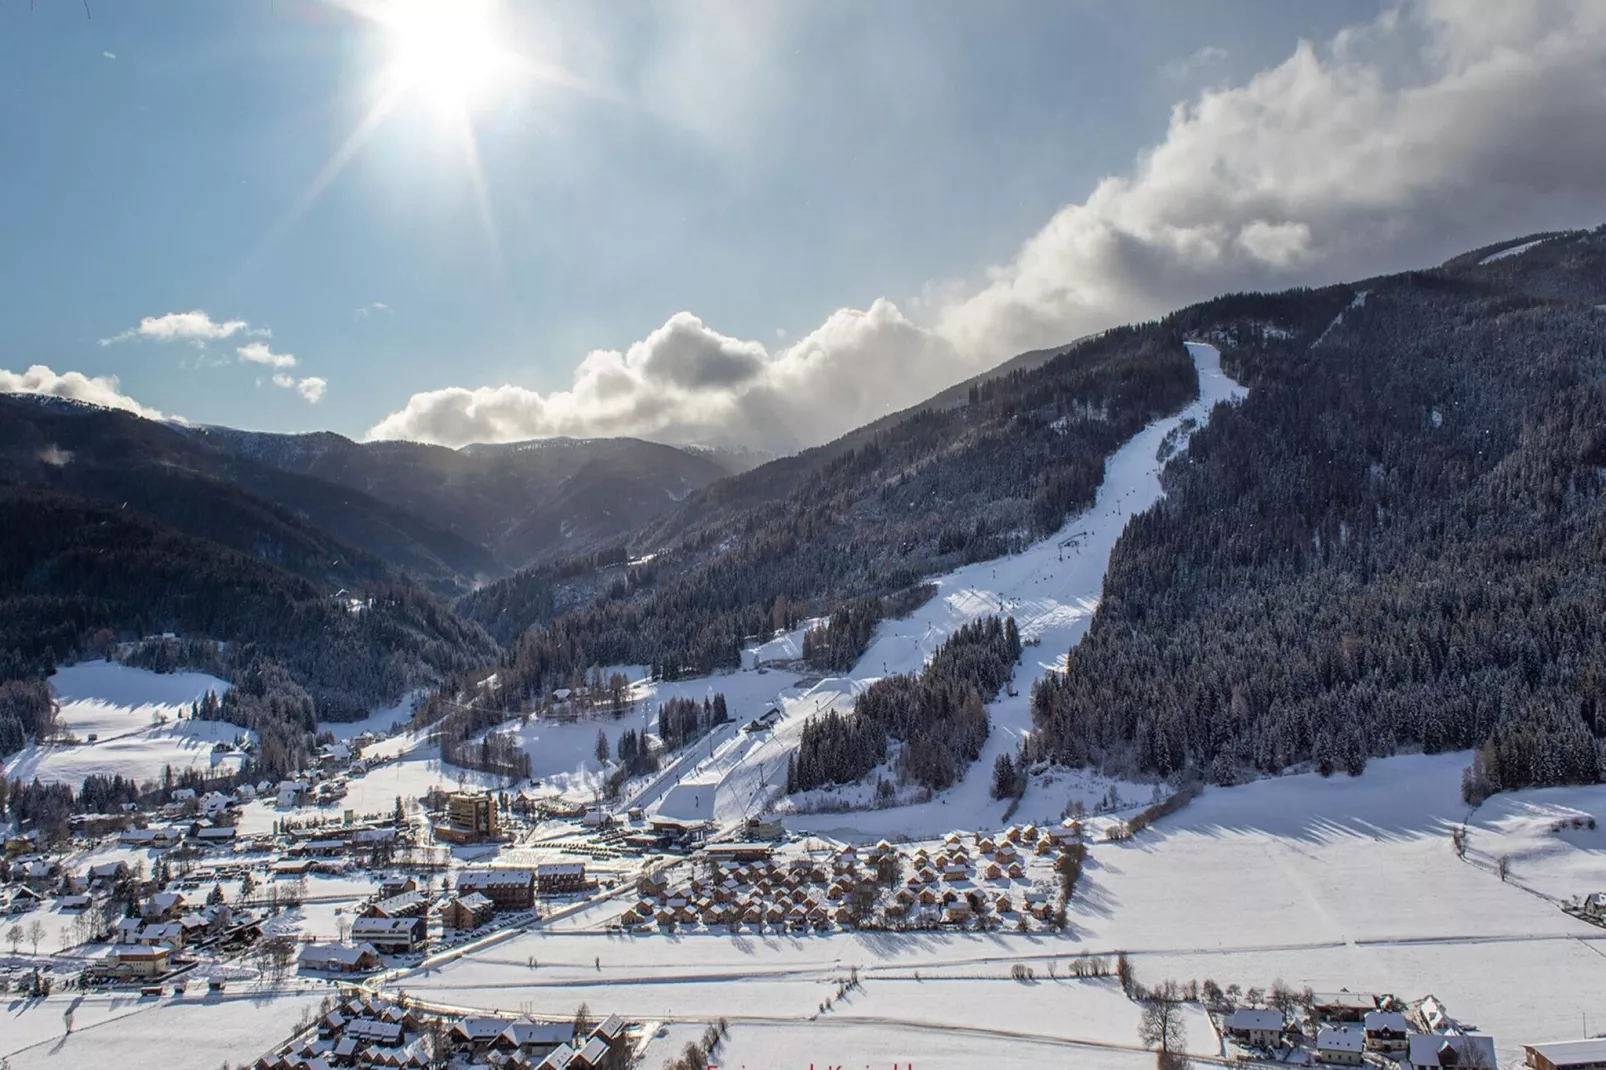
point(1431, 1049)
point(1255, 1018)
point(1339, 1038)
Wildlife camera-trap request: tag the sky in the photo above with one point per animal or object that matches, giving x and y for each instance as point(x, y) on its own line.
point(752, 223)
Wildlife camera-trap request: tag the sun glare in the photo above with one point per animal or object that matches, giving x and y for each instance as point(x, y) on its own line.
point(445, 52)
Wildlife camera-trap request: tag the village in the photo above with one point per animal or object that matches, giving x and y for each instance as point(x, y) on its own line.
point(190, 897)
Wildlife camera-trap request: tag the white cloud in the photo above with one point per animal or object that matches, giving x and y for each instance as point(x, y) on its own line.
point(100, 390)
point(1439, 126)
point(196, 327)
point(376, 308)
point(259, 353)
point(311, 388)
point(1207, 58)
point(109, 55)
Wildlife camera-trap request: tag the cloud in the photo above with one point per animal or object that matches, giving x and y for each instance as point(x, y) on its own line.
point(377, 308)
point(1439, 126)
point(1208, 57)
point(311, 387)
point(196, 327)
point(100, 390)
point(109, 55)
point(259, 353)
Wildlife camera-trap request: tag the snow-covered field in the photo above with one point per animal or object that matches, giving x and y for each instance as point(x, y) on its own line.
point(1341, 882)
point(134, 714)
point(192, 1032)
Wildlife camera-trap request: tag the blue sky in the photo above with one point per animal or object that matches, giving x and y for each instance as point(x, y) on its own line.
point(756, 170)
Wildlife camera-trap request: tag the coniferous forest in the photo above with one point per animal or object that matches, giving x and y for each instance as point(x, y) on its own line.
point(1395, 541)
point(937, 717)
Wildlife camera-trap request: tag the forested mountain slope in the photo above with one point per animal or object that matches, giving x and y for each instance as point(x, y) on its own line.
point(524, 502)
point(314, 528)
point(939, 488)
point(1395, 541)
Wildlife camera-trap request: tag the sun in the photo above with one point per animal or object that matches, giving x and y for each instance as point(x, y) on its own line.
point(445, 53)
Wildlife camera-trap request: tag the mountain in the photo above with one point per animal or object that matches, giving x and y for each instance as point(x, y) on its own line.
point(1393, 543)
point(524, 503)
point(853, 526)
point(321, 530)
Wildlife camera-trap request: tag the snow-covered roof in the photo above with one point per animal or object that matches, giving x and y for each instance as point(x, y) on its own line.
point(1430, 1049)
point(523, 1033)
point(335, 954)
point(560, 869)
point(1565, 1053)
point(1391, 1021)
point(1246, 1018)
point(1339, 1038)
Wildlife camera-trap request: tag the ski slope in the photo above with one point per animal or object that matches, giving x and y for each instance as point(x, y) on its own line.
point(1051, 589)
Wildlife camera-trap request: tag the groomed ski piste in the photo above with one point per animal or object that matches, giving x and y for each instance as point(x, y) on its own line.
point(1323, 883)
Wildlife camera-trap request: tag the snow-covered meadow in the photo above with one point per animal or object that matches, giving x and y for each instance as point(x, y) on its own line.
point(134, 715)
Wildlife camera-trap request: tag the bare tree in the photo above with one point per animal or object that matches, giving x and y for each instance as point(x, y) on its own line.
point(14, 937)
point(36, 933)
point(1161, 1025)
point(1502, 866)
point(1124, 974)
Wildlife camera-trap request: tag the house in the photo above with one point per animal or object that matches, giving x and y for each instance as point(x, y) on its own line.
point(1434, 1050)
point(560, 878)
point(1385, 1031)
point(217, 834)
point(340, 958)
point(369, 1031)
point(390, 935)
point(558, 1059)
point(292, 793)
point(509, 889)
point(67, 903)
point(591, 1054)
point(1254, 1027)
point(104, 876)
point(1567, 1055)
point(467, 912)
point(1339, 1045)
point(170, 933)
point(533, 1040)
point(214, 803)
point(140, 960)
point(405, 905)
point(163, 906)
point(479, 1032)
point(1342, 1006)
point(396, 886)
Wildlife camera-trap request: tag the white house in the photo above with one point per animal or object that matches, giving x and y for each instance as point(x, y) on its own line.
point(1385, 1031)
point(1254, 1027)
point(1340, 1045)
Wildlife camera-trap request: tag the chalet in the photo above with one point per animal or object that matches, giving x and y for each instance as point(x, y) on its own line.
point(1339, 1045)
point(396, 886)
point(560, 878)
point(479, 1032)
point(467, 912)
point(1015, 871)
point(993, 872)
point(73, 903)
point(340, 958)
point(1003, 905)
point(163, 906)
point(591, 1055)
point(1385, 1031)
point(533, 1040)
point(1567, 1055)
point(1342, 1006)
point(1436, 1050)
point(559, 1058)
point(509, 889)
point(390, 935)
point(104, 877)
point(1254, 1028)
point(369, 1031)
point(957, 912)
